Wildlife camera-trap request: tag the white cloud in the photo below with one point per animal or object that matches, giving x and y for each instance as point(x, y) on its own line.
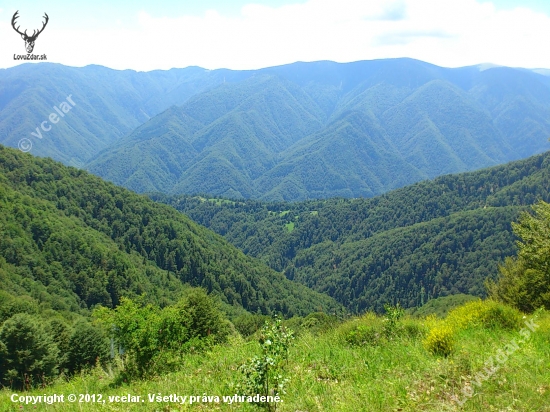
point(445, 32)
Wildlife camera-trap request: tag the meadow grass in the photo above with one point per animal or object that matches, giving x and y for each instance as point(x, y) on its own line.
point(392, 370)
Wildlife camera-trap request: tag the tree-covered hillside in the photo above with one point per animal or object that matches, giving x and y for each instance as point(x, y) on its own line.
point(342, 130)
point(109, 104)
point(430, 239)
point(197, 146)
point(292, 132)
point(69, 240)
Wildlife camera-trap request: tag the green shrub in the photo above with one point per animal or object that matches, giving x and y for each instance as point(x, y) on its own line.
point(316, 322)
point(88, 346)
point(296, 323)
point(28, 355)
point(135, 329)
point(249, 324)
point(146, 333)
point(498, 315)
point(319, 322)
point(478, 313)
point(391, 320)
point(265, 375)
point(202, 316)
point(413, 329)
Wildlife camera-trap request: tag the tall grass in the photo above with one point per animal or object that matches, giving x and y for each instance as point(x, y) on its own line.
point(357, 366)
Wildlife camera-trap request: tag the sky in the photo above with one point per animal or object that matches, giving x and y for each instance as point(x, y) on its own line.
point(251, 34)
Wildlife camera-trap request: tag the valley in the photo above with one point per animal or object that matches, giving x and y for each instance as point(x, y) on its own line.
point(431, 239)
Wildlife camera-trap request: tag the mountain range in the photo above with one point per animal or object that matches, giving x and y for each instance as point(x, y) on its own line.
point(292, 132)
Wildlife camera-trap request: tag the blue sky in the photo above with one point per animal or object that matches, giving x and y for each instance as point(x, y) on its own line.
point(199, 7)
point(542, 6)
point(249, 34)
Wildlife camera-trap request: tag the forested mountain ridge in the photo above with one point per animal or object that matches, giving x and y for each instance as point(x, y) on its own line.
point(429, 239)
point(193, 145)
point(70, 240)
point(277, 135)
point(108, 104)
point(292, 132)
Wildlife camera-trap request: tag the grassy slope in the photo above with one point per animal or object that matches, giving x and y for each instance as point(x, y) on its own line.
point(326, 374)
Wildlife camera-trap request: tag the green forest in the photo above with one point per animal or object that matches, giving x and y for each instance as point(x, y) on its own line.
point(369, 304)
point(70, 242)
point(71, 234)
point(352, 130)
point(435, 360)
point(434, 238)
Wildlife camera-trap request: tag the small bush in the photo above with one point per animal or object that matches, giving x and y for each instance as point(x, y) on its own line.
point(488, 313)
point(440, 340)
point(391, 320)
point(203, 317)
point(319, 322)
point(265, 374)
point(247, 325)
point(366, 330)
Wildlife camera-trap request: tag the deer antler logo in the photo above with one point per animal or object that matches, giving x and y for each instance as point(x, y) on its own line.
point(29, 40)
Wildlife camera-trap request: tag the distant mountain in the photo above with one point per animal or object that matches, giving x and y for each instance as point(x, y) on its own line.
point(69, 241)
point(351, 130)
point(199, 144)
point(427, 240)
point(109, 104)
point(292, 132)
